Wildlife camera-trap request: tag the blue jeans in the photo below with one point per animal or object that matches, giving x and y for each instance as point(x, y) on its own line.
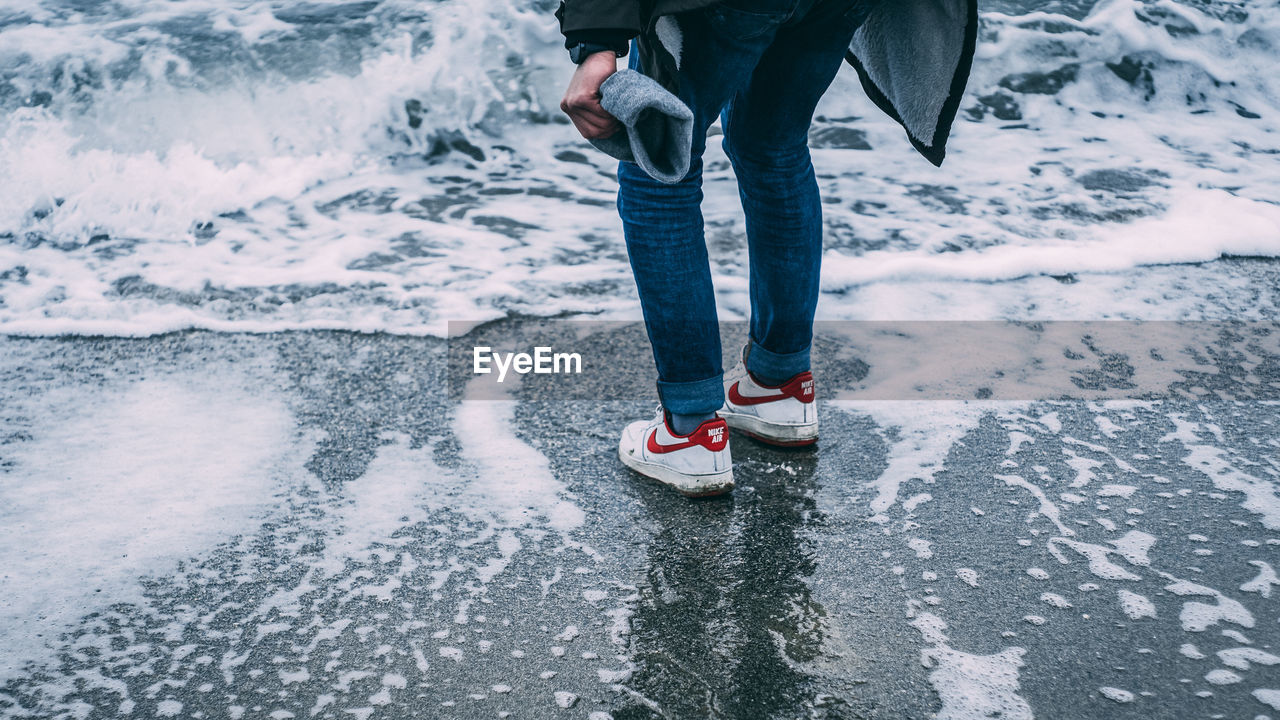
point(761, 65)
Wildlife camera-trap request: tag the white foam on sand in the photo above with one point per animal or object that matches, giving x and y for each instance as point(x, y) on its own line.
point(1189, 650)
point(515, 482)
point(1264, 581)
point(1199, 616)
point(971, 687)
point(122, 482)
point(507, 487)
point(1242, 658)
point(391, 493)
point(507, 483)
point(1116, 694)
point(920, 434)
point(1221, 677)
point(1260, 496)
point(1268, 697)
point(1136, 606)
point(1133, 546)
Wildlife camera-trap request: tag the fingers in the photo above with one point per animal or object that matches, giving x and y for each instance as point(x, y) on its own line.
point(595, 127)
point(592, 131)
point(592, 121)
point(582, 99)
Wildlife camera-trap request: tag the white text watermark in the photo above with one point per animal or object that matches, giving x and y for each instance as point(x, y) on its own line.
point(542, 362)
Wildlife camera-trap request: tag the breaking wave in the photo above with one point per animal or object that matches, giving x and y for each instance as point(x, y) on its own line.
point(370, 164)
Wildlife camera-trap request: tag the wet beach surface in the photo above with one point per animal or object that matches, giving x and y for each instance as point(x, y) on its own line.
point(311, 524)
point(239, 478)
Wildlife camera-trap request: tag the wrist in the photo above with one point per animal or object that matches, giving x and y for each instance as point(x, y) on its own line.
point(600, 60)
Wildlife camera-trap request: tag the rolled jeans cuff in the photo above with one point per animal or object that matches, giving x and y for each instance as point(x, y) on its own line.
point(774, 365)
point(700, 397)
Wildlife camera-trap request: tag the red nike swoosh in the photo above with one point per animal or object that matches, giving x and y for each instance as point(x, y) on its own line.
point(738, 398)
point(656, 447)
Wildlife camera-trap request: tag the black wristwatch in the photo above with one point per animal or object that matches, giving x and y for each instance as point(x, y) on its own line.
point(584, 50)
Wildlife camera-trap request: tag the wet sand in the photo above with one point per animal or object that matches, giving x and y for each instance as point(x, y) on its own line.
point(385, 549)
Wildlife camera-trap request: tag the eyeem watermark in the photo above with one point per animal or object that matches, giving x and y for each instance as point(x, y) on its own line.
point(892, 360)
point(543, 361)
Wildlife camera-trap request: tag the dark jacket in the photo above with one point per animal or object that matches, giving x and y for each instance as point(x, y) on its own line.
point(912, 56)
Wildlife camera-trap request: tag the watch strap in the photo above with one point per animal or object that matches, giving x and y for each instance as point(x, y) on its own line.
point(617, 40)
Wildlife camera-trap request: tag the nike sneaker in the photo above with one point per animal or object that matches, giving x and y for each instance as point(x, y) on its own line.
point(697, 464)
point(784, 415)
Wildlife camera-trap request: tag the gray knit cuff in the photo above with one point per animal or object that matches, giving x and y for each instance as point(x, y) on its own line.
point(657, 130)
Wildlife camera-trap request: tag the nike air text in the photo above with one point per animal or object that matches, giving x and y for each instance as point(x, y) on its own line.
point(541, 362)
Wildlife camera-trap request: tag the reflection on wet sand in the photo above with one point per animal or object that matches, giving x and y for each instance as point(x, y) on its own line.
point(725, 615)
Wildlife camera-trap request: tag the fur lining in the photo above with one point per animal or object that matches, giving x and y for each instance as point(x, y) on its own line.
point(910, 51)
point(913, 59)
point(670, 36)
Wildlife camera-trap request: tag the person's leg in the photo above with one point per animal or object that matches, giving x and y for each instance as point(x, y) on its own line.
point(663, 223)
point(766, 138)
point(663, 229)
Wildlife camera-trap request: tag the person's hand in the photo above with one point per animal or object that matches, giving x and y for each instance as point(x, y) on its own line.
point(582, 100)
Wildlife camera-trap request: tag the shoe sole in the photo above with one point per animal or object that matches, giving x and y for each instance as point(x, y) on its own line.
point(772, 433)
point(693, 486)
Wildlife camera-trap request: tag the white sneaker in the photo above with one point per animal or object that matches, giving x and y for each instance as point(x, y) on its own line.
point(697, 464)
point(783, 415)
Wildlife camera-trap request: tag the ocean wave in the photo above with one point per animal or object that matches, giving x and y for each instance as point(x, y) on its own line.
point(392, 165)
point(164, 96)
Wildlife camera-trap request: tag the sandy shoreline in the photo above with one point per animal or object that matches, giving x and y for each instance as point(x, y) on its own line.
point(340, 532)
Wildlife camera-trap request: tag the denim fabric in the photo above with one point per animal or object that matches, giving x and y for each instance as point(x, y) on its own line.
point(761, 66)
